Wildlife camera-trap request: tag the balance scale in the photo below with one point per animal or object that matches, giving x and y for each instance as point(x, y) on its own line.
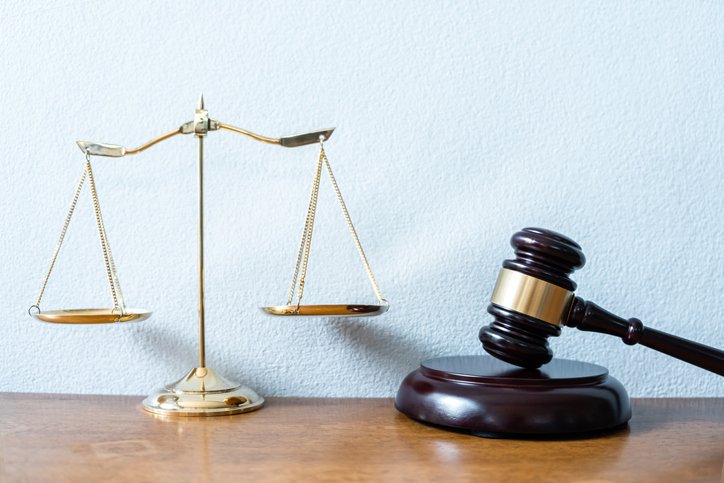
point(202, 391)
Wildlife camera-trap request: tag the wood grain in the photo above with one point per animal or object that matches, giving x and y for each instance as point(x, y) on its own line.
point(58, 438)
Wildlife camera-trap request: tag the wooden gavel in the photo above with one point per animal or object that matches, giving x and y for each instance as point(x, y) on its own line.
point(534, 297)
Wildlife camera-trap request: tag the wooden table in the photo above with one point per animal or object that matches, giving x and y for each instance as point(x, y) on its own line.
point(57, 438)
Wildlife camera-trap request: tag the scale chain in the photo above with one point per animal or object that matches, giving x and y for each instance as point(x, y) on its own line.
point(305, 245)
point(113, 280)
point(112, 263)
point(107, 256)
point(352, 230)
point(104, 240)
point(61, 238)
point(310, 229)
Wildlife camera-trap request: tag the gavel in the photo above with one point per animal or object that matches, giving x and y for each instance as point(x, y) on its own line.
point(534, 297)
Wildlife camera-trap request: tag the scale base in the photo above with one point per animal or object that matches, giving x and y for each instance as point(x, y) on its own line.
point(491, 398)
point(203, 392)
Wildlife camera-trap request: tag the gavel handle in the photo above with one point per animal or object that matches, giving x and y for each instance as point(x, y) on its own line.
point(590, 317)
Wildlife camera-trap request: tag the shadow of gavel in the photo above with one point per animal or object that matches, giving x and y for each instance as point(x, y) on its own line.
point(534, 297)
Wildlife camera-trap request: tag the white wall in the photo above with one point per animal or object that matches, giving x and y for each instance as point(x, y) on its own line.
point(457, 124)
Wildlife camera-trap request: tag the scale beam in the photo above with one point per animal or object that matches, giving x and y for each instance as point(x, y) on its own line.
point(192, 127)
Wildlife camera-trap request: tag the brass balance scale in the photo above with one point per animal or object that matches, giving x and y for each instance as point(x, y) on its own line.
point(202, 391)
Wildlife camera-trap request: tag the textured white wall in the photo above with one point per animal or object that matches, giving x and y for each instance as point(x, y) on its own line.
point(457, 124)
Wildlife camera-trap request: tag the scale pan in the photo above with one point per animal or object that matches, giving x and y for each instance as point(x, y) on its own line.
point(337, 310)
point(92, 316)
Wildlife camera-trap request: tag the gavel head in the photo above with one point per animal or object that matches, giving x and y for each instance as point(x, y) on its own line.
point(532, 297)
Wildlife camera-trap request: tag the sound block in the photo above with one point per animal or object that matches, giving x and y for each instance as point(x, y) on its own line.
point(492, 398)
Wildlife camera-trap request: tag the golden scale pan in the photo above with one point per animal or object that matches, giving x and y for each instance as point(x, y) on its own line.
point(92, 316)
point(200, 127)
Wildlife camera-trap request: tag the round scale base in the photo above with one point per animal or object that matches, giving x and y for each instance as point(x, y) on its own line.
point(491, 398)
point(203, 392)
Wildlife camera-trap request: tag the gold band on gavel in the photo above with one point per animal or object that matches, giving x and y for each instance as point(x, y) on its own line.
point(531, 296)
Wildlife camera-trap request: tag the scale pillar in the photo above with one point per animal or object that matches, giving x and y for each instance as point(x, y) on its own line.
point(201, 127)
point(202, 391)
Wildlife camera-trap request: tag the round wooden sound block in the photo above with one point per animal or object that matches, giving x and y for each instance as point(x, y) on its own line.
point(492, 398)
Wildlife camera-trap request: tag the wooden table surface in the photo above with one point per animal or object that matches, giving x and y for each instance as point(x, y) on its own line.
point(51, 437)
